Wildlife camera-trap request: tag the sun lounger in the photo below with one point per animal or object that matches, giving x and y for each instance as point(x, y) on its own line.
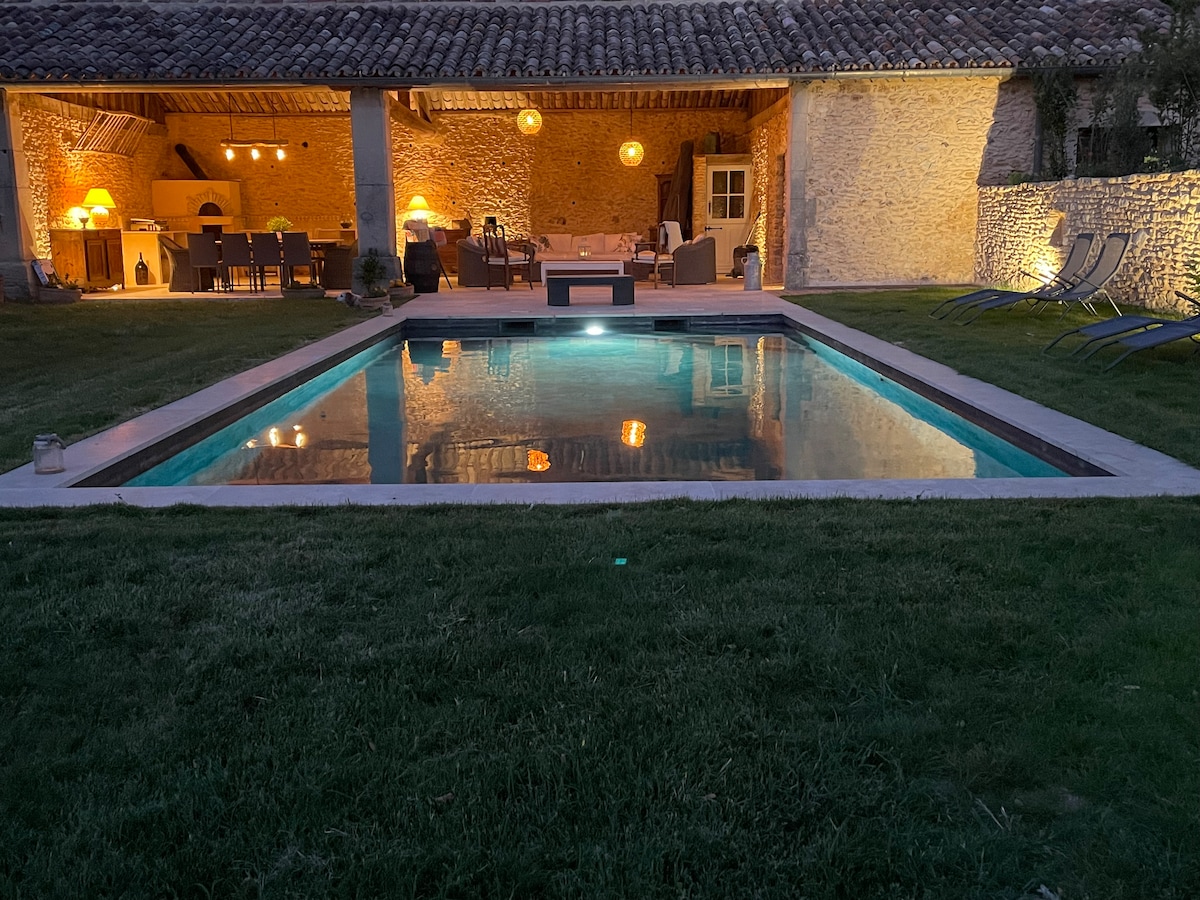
point(1082, 292)
point(1063, 279)
point(1098, 331)
point(1155, 336)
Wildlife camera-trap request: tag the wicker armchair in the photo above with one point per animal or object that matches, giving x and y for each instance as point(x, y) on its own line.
point(696, 261)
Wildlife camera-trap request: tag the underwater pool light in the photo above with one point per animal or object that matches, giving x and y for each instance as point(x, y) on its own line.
point(594, 330)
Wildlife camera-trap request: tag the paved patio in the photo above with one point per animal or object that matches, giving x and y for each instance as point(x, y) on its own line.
point(1137, 471)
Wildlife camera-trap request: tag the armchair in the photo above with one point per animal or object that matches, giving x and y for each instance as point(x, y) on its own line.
point(696, 261)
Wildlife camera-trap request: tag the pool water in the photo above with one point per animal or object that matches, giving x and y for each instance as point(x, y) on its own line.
point(613, 407)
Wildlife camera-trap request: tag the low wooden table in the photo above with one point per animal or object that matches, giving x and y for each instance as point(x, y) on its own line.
point(582, 265)
point(558, 288)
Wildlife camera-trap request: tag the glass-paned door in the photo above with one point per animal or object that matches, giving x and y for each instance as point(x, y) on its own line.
point(728, 210)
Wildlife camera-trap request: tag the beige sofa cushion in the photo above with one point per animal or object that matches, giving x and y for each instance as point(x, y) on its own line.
point(559, 243)
point(595, 242)
point(622, 242)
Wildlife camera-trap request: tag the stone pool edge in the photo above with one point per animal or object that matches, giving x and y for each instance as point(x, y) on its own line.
point(1137, 471)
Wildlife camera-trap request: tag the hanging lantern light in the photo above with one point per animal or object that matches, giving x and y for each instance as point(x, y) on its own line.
point(529, 121)
point(631, 151)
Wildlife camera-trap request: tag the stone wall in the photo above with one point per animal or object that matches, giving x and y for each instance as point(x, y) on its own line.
point(1029, 225)
point(1010, 140)
point(892, 178)
point(60, 177)
point(566, 178)
point(768, 141)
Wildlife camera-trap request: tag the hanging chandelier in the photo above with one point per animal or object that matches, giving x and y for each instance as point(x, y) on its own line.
point(256, 147)
point(631, 151)
point(529, 121)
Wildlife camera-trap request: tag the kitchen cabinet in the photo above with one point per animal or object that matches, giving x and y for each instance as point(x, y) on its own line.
point(92, 257)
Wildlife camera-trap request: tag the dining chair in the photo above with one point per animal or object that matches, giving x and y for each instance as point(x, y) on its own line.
point(502, 261)
point(203, 255)
point(235, 254)
point(264, 246)
point(297, 253)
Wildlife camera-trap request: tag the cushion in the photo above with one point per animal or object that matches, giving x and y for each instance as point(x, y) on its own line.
point(472, 241)
point(559, 243)
point(595, 242)
point(620, 243)
point(542, 241)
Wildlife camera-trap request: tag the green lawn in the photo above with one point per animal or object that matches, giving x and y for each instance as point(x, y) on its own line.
point(785, 699)
point(1152, 398)
point(80, 369)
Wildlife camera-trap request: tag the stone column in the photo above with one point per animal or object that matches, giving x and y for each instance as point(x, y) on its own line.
point(16, 227)
point(797, 215)
point(374, 187)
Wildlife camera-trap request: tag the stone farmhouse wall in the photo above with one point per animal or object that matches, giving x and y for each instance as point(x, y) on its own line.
point(1029, 226)
point(768, 143)
point(567, 178)
point(60, 178)
point(892, 174)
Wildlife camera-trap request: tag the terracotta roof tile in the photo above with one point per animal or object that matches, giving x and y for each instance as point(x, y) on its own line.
point(327, 40)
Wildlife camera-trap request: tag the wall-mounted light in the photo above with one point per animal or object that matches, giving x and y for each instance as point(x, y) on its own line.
point(99, 201)
point(529, 121)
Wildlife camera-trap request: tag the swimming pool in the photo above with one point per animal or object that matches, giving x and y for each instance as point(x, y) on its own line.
point(667, 400)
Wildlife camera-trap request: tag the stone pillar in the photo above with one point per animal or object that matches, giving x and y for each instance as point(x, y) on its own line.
point(797, 215)
point(16, 228)
point(374, 187)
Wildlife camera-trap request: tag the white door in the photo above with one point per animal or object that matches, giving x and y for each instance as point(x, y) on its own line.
point(728, 210)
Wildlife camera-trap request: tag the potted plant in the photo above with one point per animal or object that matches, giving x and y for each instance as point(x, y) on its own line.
point(372, 272)
point(295, 290)
point(279, 224)
point(399, 292)
point(60, 290)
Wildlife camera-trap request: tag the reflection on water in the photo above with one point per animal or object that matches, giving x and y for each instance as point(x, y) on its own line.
point(611, 408)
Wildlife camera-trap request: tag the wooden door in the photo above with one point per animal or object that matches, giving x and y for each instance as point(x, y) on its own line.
point(728, 218)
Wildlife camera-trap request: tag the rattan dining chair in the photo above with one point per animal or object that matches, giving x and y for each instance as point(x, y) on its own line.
point(297, 254)
point(267, 255)
point(203, 256)
point(235, 254)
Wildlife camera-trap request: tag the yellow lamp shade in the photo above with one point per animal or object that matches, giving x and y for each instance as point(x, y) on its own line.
point(632, 153)
point(529, 121)
point(98, 197)
point(418, 208)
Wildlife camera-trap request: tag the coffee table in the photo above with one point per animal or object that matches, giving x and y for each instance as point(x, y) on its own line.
point(582, 267)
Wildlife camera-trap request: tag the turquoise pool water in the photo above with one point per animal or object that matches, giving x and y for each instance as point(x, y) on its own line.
point(612, 407)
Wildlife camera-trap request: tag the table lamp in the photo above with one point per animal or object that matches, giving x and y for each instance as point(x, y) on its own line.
point(99, 201)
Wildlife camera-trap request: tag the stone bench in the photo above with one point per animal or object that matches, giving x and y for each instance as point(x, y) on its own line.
point(558, 288)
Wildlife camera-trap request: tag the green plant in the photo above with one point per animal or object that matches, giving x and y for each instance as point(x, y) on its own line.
point(1192, 275)
point(1118, 144)
point(279, 223)
point(371, 271)
point(1055, 96)
point(1173, 76)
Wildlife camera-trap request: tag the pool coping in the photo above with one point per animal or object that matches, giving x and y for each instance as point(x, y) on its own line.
point(1137, 471)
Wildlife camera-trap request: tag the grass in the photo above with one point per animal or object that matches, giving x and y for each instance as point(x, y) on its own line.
point(787, 699)
point(819, 699)
point(1151, 398)
point(79, 369)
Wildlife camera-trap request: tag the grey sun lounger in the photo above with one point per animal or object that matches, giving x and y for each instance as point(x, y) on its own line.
point(1060, 281)
point(1098, 331)
point(1082, 292)
point(1151, 337)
